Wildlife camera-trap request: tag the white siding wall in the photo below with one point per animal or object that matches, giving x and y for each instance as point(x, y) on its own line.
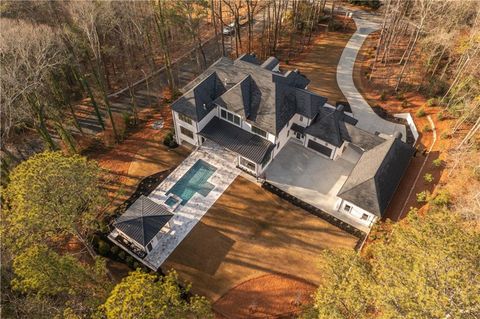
point(300, 120)
point(355, 212)
point(282, 138)
point(203, 122)
point(181, 137)
point(194, 127)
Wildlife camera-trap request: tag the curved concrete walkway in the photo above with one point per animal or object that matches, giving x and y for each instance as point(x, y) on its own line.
point(368, 120)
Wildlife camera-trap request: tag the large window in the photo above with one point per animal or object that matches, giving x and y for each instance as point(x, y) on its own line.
point(224, 114)
point(185, 118)
point(186, 132)
point(258, 131)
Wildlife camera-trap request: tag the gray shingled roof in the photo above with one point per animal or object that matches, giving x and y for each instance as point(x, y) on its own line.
point(308, 103)
point(232, 137)
point(251, 58)
point(143, 220)
point(196, 103)
point(270, 63)
point(376, 176)
point(359, 137)
point(272, 98)
point(326, 125)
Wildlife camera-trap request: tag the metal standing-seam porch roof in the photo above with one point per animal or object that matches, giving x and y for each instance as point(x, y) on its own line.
point(143, 220)
point(248, 145)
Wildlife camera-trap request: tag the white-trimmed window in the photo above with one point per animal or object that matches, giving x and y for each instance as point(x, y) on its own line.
point(186, 132)
point(347, 208)
point(185, 118)
point(229, 116)
point(364, 217)
point(258, 131)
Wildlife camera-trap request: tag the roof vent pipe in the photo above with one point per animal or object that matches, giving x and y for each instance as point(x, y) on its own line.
point(340, 107)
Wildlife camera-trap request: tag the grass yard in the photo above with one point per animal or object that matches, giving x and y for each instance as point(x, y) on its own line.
point(248, 233)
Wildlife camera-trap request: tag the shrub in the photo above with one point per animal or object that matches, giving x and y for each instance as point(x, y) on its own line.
point(400, 96)
point(420, 112)
point(444, 135)
point(334, 25)
point(442, 198)
point(114, 250)
point(169, 140)
point(432, 102)
point(129, 260)
point(169, 96)
point(440, 116)
point(383, 96)
point(122, 255)
point(437, 162)
point(426, 128)
point(405, 103)
point(136, 265)
point(103, 248)
point(422, 197)
point(428, 177)
point(476, 173)
point(127, 118)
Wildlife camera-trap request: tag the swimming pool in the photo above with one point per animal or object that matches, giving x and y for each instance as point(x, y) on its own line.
point(194, 181)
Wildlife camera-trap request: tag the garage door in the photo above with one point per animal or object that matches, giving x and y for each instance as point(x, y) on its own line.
point(319, 148)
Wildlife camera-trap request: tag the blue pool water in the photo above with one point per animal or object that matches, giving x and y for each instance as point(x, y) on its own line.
point(194, 181)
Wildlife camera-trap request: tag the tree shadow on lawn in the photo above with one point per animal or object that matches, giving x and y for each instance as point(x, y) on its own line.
point(206, 257)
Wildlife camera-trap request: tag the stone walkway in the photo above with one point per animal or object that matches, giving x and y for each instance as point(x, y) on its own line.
point(187, 216)
point(367, 119)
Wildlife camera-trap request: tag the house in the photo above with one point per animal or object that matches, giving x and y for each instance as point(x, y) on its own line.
point(254, 110)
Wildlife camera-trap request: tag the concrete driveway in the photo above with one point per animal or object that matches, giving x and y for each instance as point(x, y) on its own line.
point(313, 178)
point(368, 120)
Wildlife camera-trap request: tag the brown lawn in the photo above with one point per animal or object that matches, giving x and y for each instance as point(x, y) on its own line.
point(248, 233)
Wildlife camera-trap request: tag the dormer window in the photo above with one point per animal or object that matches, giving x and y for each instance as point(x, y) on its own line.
point(230, 117)
point(258, 131)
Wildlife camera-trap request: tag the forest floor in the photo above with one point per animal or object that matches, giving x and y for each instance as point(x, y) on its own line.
point(319, 61)
point(410, 101)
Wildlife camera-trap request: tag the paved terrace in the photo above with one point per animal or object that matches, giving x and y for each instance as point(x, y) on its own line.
point(187, 216)
point(312, 178)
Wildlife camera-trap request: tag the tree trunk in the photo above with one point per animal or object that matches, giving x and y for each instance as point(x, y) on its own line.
point(94, 102)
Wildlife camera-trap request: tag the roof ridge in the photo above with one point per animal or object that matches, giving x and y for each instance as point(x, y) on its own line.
point(377, 203)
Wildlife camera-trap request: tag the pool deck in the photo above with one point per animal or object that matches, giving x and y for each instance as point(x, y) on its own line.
point(187, 216)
